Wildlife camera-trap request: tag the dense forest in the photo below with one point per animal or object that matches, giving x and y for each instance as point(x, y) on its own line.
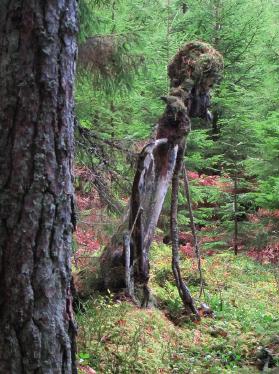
point(139, 186)
point(232, 167)
point(122, 73)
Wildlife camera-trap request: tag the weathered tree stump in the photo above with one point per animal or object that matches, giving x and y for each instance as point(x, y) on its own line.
point(153, 176)
point(124, 263)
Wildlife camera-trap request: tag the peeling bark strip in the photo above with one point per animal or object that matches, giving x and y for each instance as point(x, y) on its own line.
point(37, 65)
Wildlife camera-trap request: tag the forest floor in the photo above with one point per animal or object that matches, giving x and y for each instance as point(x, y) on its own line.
point(241, 335)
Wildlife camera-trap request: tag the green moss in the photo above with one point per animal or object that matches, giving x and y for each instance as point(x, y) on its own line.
point(120, 338)
point(196, 61)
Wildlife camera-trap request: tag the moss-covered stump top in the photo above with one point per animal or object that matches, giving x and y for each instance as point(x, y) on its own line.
point(197, 62)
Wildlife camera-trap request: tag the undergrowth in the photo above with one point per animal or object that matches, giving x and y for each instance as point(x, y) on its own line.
point(117, 337)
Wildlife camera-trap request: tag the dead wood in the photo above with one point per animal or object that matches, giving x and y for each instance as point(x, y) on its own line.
point(98, 53)
point(125, 263)
point(155, 168)
point(183, 290)
point(193, 228)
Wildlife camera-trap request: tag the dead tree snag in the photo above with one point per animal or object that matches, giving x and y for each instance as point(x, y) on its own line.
point(125, 262)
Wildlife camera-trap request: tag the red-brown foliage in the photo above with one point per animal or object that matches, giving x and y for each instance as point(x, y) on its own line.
point(187, 250)
point(87, 245)
point(267, 255)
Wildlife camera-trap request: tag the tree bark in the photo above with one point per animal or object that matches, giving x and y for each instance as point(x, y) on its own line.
point(153, 176)
point(37, 65)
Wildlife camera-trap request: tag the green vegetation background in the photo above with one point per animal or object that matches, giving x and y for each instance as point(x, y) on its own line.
point(117, 105)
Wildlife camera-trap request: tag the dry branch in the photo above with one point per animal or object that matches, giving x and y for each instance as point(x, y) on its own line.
point(183, 290)
point(193, 228)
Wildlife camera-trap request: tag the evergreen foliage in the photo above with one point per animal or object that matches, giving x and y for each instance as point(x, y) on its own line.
point(233, 164)
point(125, 48)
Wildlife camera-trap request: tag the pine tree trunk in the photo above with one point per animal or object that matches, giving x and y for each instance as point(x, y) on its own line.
point(37, 64)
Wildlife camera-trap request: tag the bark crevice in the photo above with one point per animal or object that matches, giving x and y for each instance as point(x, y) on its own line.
point(37, 68)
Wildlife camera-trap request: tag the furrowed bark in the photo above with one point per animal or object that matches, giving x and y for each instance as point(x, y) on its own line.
point(37, 65)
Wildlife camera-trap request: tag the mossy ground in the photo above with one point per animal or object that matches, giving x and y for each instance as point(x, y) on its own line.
point(117, 337)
